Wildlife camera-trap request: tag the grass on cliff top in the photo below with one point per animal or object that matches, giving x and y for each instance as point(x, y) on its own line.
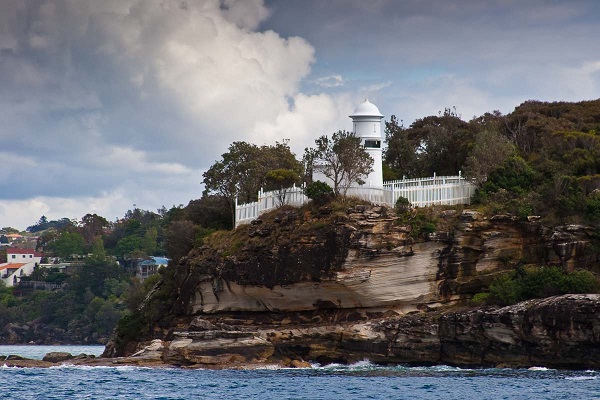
point(312, 218)
point(309, 219)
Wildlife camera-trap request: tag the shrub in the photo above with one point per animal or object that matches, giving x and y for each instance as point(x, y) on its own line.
point(505, 290)
point(480, 299)
point(422, 223)
point(319, 192)
point(529, 283)
point(130, 327)
point(515, 176)
point(592, 206)
point(402, 206)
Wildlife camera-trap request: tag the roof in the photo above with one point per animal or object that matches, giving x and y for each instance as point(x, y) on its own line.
point(155, 261)
point(366, 109)
point(12, 266)
point(14, 250)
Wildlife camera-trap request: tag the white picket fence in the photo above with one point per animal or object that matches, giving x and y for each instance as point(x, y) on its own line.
point(437, 190)
point(244, 213)
point(422, 192)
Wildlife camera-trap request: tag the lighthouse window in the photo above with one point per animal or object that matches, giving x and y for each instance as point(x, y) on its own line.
point(373, 144)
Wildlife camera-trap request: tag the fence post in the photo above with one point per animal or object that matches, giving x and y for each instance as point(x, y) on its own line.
point(236, 217)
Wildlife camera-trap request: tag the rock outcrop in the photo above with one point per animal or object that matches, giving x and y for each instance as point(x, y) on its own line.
point(333, 285)
point(557, 332)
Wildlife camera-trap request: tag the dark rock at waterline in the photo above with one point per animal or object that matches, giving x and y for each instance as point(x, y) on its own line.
point(57, 356)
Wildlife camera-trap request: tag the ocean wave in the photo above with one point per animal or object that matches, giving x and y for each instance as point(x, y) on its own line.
point(103, 367)
point(581, 378)
point(540, 369)
point(357, 366)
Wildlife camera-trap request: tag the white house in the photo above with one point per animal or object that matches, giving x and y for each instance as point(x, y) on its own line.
point(20, 262)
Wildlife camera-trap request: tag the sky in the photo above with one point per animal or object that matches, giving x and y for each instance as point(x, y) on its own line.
point(115, 104)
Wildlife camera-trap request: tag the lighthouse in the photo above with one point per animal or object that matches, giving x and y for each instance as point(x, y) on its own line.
point(366, 121)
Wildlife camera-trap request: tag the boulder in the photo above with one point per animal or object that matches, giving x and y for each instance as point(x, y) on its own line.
point(57, 356)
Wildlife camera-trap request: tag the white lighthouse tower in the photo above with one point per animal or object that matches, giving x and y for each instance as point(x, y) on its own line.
point(367, 126)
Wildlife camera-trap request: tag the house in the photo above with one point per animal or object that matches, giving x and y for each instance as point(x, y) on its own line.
point(150, 266)
point(20, 262)
point(15, 255)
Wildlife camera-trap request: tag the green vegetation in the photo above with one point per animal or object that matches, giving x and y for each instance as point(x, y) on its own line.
point(436, 144)
point(530, 283)
point(100, 286)
point(85, 310)
point(421, 221)
point(243, 171)
point(542, 159)
point(319, 192)
point(341, 158)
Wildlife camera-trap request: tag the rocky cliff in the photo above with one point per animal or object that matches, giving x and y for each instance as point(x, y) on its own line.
point(343, 285)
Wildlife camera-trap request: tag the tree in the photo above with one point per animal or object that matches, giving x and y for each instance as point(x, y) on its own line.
point(342, 159)
point(149, 241)
point(67, 244)
point(180, 239)
point(400, 154)
point(242, 171)
point(490, 151)
point(92, 226)
point(129, 245)
point(209, 212)
point(44, 224)
point(280, 180)
point(436, 144)
point(93, 276)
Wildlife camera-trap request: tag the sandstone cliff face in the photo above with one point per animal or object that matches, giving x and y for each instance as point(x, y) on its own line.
point(558, 332)
point(368, 260)
point(482, 247)
point(354, 285)
point(364, 260)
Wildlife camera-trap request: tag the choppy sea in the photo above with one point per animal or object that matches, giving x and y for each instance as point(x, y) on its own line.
point(359, 381)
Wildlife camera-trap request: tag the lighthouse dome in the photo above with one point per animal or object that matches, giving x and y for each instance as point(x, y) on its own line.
point(366, 109)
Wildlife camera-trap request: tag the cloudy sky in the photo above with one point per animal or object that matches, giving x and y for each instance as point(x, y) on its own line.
point(109, 104)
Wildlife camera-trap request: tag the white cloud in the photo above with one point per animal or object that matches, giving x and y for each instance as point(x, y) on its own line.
point(311, 117)
point(330, 81)
point(108, 100)
point(376, 87)
point(247, 14)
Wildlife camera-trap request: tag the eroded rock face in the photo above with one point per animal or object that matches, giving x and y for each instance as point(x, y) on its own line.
point(368, 260)
point(558, 332)
point(357, 286)
point(562, 332)
point(361, 282)
point(482, 247)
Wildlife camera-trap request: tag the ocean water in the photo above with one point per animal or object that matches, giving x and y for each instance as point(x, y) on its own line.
point(359, 381)
point(37, 352)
